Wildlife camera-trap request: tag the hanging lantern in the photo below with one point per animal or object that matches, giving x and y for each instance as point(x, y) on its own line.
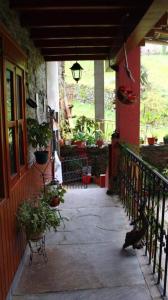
point(76, 70)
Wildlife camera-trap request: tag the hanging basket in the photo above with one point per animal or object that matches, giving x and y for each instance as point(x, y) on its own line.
point(125, 95)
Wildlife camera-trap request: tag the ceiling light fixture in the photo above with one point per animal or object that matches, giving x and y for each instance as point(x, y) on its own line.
point(76, 70)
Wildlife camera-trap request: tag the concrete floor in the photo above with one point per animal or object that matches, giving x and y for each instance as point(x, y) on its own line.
point(85, 259)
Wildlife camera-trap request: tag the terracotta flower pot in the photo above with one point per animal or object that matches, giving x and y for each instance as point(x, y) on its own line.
point(80, 144)
point(55, 201)
point(151, 140)
point(99, 143)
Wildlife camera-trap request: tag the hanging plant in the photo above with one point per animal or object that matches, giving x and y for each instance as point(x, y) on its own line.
point(126, 95)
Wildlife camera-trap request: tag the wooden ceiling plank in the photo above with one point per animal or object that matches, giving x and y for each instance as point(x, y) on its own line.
point(53, 19)
point(75, 57)
point(89, 50)
point(72, 33)
point(156, 10)
point(75, 43)
point(31, 5)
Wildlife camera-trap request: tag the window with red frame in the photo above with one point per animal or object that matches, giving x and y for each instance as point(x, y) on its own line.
point(15, 120)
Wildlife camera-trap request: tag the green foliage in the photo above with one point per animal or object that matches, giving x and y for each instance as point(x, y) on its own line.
point(79, 136)
point(99, 134)
point(34, 217)
point(51, 192)
point(39, 135)
point(65, 129)
point(86, 125)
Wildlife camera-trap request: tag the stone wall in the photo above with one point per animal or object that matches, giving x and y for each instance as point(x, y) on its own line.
point(36, 67)
point(155, 155)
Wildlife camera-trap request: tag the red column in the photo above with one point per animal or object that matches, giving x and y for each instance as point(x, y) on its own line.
point(128, 115)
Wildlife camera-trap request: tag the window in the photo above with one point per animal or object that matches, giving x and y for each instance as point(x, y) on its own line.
point(15, 120)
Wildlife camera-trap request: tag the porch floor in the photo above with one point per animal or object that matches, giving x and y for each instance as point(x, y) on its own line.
point(85, 259)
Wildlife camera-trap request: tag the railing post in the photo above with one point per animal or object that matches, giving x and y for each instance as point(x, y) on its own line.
point(113, 164)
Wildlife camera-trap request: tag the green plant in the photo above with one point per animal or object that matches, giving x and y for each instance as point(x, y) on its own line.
point(85, 125)
point(34, 217)
point(165, 138)
point(39, 135)
point(79, 136)
point(98, 134)
point(90, 139)
point(53, 192)
point(65, 129)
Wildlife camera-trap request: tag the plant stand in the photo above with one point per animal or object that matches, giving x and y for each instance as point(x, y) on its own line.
point(37, 247)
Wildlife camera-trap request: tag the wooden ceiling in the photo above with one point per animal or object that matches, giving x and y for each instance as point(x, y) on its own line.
point(85, 29)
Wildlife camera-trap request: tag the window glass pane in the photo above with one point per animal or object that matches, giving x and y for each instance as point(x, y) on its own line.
point(9, 95)
point(19, 96)
point(12, 149)
point(21, 152)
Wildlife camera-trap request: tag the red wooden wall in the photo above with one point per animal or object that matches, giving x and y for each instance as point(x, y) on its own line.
point(12, 244)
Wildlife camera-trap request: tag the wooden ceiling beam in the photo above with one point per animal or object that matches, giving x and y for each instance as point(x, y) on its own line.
point(154, 13)
point(55, 19)
point(72, 33)
point(75, 57)
point(28, 5)
point(75, 43)
point(80, 51)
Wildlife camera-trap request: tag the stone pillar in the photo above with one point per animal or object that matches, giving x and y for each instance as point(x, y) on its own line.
point(99, 90)
point(128, 116)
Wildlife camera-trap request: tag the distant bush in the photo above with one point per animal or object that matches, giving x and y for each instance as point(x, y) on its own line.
point(85, 94)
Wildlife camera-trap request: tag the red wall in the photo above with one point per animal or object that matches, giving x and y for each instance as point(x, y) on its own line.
point(12, 244)
point(128, 116)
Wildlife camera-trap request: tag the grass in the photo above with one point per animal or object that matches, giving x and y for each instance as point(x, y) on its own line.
point(157, 68)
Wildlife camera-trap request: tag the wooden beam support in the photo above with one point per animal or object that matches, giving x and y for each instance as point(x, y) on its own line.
point(72, 33)
point(151, 17)
point(55, 19)
point(28, 5)
point(74, 51)
point(71, 43)
point(75, 57)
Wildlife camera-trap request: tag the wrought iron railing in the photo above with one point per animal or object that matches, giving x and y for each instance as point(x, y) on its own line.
point(138, 181)
point(73, 168)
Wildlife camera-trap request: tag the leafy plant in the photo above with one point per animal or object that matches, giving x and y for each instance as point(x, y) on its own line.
point(79, 136)
point(165, 138)
point(52, 192)
point(90, 139)
point(34, 217)
point(99, 134)
point(65, 129)
point(85, 125)
point(39, 135)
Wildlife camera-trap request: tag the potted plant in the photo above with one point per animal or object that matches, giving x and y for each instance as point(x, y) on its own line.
point(165, 139)
point(35, 217)
point(53, 196)
point(79, 139)
point(99, 137)
point(39, 136)
point(141, 140)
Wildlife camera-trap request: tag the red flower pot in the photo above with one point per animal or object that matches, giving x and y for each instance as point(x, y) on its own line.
point(99, 143)
point(151, 140)
point(55, 201)
point(86, 179)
